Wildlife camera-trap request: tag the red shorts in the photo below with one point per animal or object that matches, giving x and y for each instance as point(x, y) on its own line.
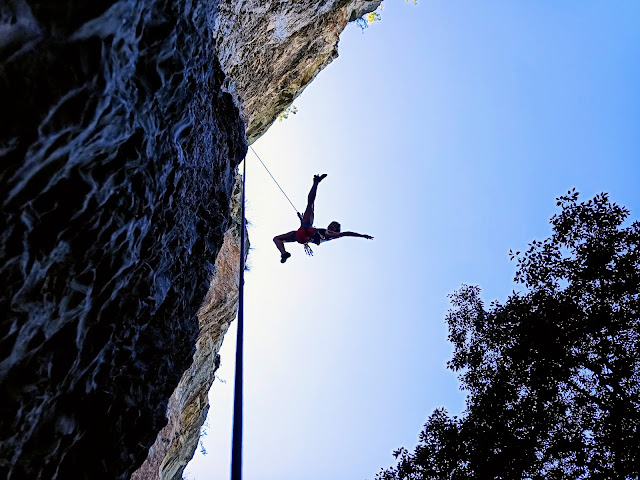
point(303, 235)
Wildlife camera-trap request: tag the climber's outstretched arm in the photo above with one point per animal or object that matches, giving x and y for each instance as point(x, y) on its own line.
point(331, 234)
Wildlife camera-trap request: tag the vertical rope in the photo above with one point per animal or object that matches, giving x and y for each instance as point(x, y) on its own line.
point(236, 443)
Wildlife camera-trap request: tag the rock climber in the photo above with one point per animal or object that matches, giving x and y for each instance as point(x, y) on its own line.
point(307, 233)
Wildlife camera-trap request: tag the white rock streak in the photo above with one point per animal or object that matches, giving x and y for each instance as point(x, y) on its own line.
point(280, 28)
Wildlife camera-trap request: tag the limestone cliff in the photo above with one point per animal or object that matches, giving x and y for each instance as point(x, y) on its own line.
point(271, 50)
point(122, 124)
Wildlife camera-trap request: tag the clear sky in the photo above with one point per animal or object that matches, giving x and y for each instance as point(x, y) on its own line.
point(447, 131)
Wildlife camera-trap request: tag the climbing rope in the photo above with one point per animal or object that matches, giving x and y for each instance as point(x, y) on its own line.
point(236, 443)
point(265, 167)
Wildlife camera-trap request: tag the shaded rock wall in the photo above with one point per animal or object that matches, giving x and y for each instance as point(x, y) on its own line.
point(188, 406)
point(117, 151)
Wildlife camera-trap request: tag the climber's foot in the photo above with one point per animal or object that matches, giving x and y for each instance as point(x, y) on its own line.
point(319, 178)
point(284, 256)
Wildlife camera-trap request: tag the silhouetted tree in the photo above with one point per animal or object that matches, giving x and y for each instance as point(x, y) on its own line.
point(553, 375)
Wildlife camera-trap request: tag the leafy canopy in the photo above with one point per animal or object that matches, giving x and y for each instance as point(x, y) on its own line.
point(552, 375)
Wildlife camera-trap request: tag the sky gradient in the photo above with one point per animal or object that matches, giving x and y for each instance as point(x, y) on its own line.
point(447, 130)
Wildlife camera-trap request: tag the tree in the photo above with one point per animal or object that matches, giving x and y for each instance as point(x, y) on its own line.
point(552, 375)
point(291, 110)
point(373, 17)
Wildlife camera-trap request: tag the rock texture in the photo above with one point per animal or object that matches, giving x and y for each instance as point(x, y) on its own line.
point(118, 148)
point(188, 406)
point(271, 50)
point(122, 124)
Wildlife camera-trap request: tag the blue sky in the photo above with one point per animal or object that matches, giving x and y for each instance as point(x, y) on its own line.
point(447, 131)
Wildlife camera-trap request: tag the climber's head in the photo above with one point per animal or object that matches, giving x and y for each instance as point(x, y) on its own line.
point(334, 227)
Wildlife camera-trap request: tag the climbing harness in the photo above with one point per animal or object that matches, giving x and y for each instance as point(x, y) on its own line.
point(236, 442)
point(307, 248)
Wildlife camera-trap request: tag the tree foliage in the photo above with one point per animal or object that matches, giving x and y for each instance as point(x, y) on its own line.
point(373, 17)
point(552, 375)
point(291, 110)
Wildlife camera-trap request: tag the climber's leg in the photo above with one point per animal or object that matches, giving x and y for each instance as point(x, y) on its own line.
point(280, 241)
point(307, 218)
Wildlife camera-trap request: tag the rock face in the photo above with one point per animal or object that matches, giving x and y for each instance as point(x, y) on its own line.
point(122, 124)
point(118, 148)
point(188, 406)
point(271, 50)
